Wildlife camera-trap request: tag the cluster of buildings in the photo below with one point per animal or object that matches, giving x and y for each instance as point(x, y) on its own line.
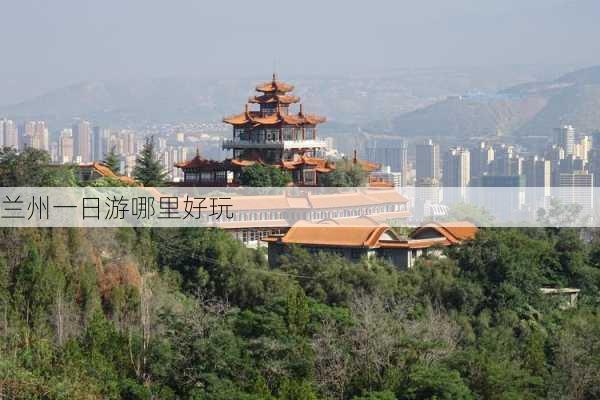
point(30, 133)
point(567, 160)
point(84, 144)
point(492, 163)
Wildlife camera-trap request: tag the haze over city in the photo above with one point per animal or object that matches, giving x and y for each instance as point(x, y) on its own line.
point(48, 45)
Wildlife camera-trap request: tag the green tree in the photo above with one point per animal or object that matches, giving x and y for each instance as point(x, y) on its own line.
point(31, 167)
point(297, 312)
point(346, 174)
point(148, 169)
point(294, 390)
point(111, 160)
point(259, 175)
point(508, 265)
point(435, 382)
point(386, 395)
point(469, 212)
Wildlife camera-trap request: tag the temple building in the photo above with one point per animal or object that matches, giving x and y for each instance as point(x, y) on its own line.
point(202, 172)
point(271, 135)
point(366, 237)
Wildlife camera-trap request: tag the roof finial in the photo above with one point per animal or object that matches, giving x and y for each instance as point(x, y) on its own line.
point(197, 151)
point(274, 77)
point(301, 109)
point(354, 158)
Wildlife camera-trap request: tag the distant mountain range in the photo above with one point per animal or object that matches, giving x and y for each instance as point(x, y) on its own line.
point(508, 101)
point(350, 102)
point(526, 109)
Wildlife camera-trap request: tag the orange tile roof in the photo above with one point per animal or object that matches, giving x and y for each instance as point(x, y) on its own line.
point(380, 183)
point(255, 118)
point(274, 98)
point(320, 164)
point(106, 172)
point(244, 163)
point(199, 162)
point(274, 86)
point(367, 166)
point(454, 232)
point(413, 244)
point(352, 221)
point(102, 169)
point(334, 235)
point(359, 232)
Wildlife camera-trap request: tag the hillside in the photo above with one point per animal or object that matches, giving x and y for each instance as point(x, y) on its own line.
point(577, 103)
point(526, 109)
point(348, 101)
point(464, 117)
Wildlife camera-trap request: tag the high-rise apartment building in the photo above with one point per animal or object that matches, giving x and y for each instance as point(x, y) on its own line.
point(392, 153)
point(594, 157)
point(481, 156)
point(65, 146)
point(82, 141)
point(9, 133)
point(537, 172)
point(428, 161)
point(577, 188)
point(564, 136)
point(457, 167)
point(35, 134)
point(506, 162)
point(100, 143)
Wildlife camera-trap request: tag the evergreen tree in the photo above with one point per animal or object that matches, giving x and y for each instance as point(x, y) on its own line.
point(264, 176)
point(148, 169)
point(31, 167)
point(111, 160)
point(346, 174)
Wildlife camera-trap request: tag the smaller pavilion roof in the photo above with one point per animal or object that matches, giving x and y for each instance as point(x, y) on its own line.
point(274, 98)
point(255, 118)
point(274, 86)
point(200, 162)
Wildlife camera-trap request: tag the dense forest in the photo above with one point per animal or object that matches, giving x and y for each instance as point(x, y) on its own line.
point(192, 314)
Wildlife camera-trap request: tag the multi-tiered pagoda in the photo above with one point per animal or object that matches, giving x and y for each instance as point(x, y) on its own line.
point(272, 135)
point(275, 135)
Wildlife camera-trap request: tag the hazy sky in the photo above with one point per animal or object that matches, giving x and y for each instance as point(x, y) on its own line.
point(47, 44)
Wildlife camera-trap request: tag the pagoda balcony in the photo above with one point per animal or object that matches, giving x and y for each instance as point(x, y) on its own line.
point(275, 144)
point(304, 144)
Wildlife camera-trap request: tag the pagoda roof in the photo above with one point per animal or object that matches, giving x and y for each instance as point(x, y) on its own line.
point(274, 86)
point(104, 171)
point(244, 163)
point(199, 162)
point(368, 166)
point(274, 98)
point(320, 164)
point(255, 118)
point(365, 165)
